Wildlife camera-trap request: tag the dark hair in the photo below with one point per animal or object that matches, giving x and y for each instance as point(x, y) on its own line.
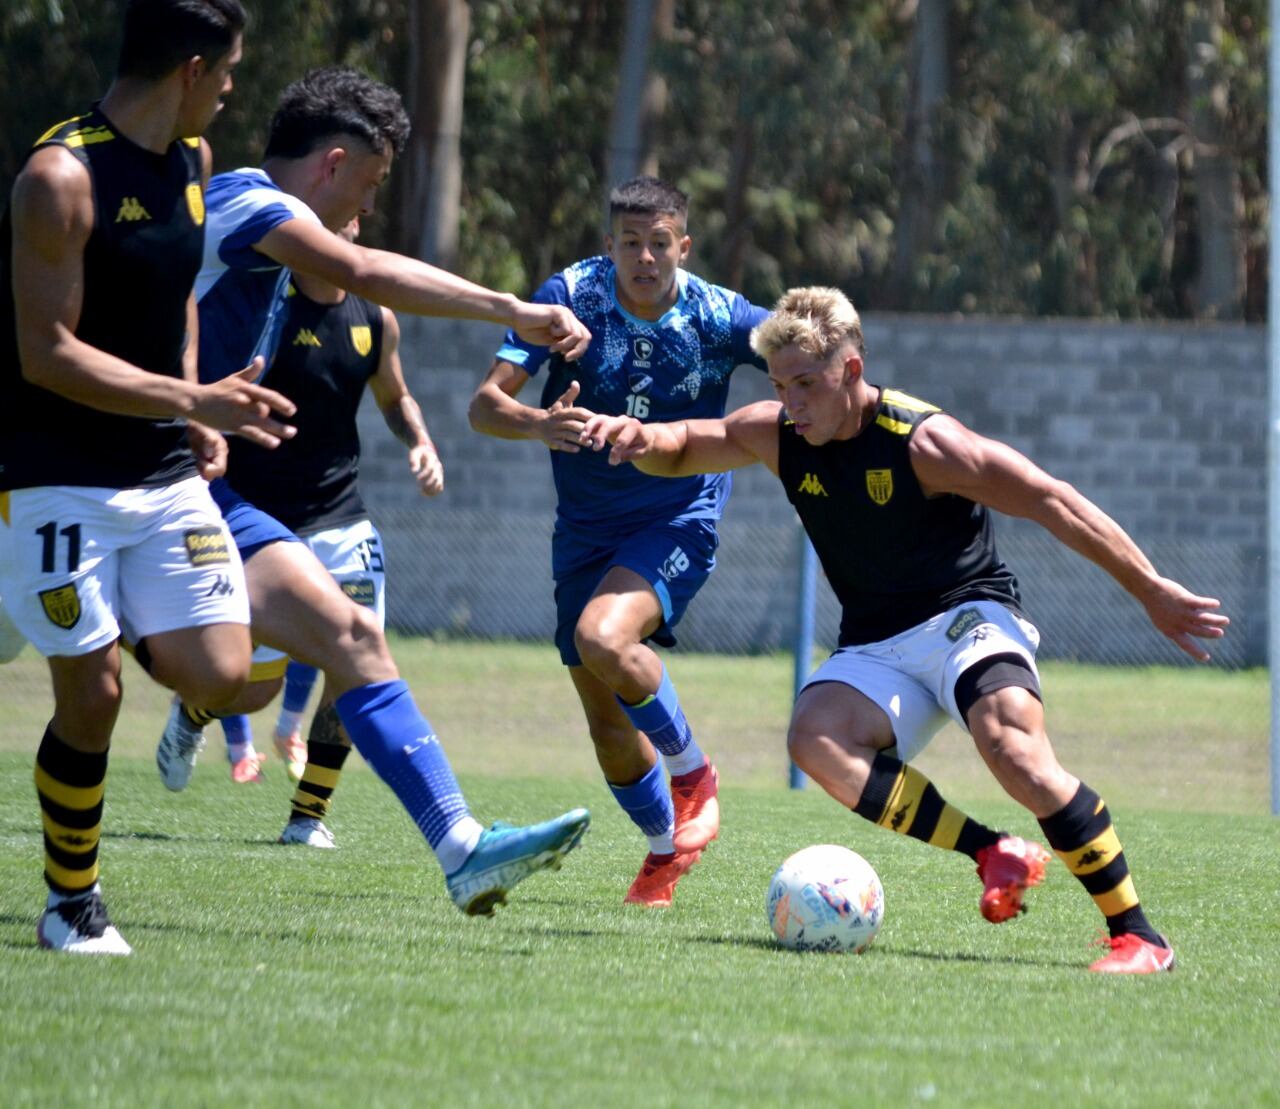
point(648, 196)
point(159, 35)
point(336, 101)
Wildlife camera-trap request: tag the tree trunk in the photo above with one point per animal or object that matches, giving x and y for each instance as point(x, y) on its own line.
point(1218, 290)
point(431, 201)
point(641, 97)
point(924, 163)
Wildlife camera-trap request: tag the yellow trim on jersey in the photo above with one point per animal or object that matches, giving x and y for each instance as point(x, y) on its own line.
point(74, 841)
point(4, 506)
point(896, 426)
point(907, 401)
point(265, 671)
point(1123, 897)
point(88, 136)
point(58, 127)
point(69, 797)
point(1094, 855)
point(193, 142)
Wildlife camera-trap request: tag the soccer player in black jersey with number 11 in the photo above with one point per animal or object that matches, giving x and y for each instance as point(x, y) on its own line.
point(895, 495)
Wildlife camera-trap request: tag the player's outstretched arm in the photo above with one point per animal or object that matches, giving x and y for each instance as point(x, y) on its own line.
point(495, 411)
point(401, 411)
point(690, 447)
point(406, 285)
point(949, 458)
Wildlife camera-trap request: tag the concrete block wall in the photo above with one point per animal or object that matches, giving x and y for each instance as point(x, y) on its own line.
point(1163, 426)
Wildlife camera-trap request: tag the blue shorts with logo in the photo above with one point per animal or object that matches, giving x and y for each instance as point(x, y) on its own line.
point(250, 527)
point(675, 557)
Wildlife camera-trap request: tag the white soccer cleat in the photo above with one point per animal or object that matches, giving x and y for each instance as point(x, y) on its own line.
point(80, 926)
point(178, 748)
point(308, 831)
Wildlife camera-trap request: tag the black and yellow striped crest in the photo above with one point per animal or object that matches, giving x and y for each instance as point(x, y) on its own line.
point(61, 605)
point(880, 485)
point(362, 338)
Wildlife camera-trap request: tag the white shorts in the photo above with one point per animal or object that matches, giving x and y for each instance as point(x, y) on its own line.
point(912, 676)
point(352, 553)
point(80, 566)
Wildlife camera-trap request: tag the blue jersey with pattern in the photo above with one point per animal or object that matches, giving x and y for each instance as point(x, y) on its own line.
point(673, 368)
point(241, 293)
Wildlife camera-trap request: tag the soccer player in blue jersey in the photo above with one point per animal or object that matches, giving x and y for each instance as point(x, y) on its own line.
point(630, 551)
point(330, 147)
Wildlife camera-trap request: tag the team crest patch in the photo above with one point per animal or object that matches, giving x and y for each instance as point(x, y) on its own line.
point(966, 620)
point(206, 546)
point(362, 339)
point(880, 485)
point(195, 203)
point(361, 591)
point(61, 605)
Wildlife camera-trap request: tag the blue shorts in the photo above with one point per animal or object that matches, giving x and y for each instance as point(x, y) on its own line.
point(675, 558)
point(251, 528)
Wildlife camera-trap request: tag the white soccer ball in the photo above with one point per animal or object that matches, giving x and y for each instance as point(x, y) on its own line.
point(825, 898)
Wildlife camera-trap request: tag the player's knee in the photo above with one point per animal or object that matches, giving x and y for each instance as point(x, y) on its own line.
point(258, 695)
point(1018, 755)
point(359, 653)
point(602, 649)
point(216, 685)
point(805, 743)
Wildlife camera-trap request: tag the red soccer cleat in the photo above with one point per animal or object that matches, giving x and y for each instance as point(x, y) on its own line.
point(1131, 954)
point(1008, 868)
point(656, 883)
point(697, 809)
point(248, 769)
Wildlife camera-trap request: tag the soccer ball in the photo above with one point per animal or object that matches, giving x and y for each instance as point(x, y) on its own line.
point(825, 898)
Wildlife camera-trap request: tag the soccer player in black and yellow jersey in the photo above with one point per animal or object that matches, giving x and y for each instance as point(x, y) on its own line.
point(107, 528)
point(895, 496)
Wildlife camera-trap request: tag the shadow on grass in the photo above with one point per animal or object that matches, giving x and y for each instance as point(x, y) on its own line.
point(880, 952)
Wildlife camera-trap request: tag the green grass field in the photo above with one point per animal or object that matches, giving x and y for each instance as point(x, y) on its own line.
point(282, 976)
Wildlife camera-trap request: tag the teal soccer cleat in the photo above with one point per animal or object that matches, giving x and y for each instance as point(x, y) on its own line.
point(506, 855)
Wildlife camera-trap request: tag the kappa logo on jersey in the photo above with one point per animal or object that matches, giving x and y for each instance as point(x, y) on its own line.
point(643, 349)
point(361, 591)
point(131, 211)
point(306, 338)
point(812, 486)
point(361, 338)
point(206, 546)
point(966, 619)
point(195, 203)
point(61, 605)
point(880, 485)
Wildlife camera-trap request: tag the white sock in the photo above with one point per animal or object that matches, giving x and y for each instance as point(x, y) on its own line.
point(288, 722)
point(663, 844)
point(688, 760)
point(55, 898)
point(458, 843)
point(238, 752)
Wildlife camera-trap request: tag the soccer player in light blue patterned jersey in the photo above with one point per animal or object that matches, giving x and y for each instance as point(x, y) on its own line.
point(630, 551)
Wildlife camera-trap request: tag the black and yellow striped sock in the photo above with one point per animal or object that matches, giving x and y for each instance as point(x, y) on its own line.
point(1082, 836)
point(900, 798)
point(70, 785)
point(319, 780)
point(199, 718)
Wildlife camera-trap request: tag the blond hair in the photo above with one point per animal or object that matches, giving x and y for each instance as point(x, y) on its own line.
point(816, 319)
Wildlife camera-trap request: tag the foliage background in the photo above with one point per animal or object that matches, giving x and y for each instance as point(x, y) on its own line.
point(1068, 162)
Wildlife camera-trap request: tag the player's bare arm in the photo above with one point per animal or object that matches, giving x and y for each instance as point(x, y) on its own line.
point(52, 220)
point(402, 413)
point(496, 411)
point(747, 435)
point(407, 285)
point(950, 458)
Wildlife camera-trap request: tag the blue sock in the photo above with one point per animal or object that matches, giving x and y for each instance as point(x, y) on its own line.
point(661, 718)
point(239, 736)
point(648, 803)
point(299, 680)
point(399, 743)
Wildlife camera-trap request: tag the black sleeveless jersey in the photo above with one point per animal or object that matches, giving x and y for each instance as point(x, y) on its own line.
point(140, 263)
point(327, 354)
point(894, 557)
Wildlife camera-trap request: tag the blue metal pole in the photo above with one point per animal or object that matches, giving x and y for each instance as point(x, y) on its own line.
point(1273, 424)
point(805, 592)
